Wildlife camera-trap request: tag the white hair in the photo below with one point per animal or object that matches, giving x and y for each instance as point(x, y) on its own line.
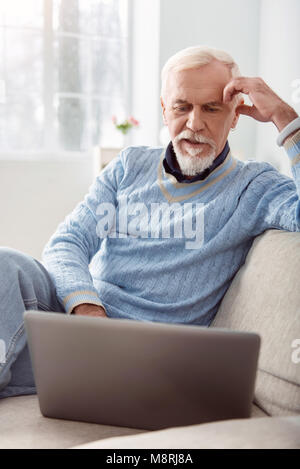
point(195, 57)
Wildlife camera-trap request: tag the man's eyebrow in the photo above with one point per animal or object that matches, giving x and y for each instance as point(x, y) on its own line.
point(210, 103)
point(180, 101)
point(214, 103)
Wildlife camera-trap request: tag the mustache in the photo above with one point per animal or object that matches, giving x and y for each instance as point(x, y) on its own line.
point(195, 138)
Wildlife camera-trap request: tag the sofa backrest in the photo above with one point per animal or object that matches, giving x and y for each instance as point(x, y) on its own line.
point(264, 297)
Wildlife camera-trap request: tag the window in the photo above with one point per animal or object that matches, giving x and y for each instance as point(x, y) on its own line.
point(63, 74)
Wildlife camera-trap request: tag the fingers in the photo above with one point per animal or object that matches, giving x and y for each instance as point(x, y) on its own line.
point(246, 85)
point(266, 104)
point(232, 88)
point(246, 110)
point(93, 313)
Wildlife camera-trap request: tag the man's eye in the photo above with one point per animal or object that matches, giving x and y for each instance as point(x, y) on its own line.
point(181, 108)
point(212, 109)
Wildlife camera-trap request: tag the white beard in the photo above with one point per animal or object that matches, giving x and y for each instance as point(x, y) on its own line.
point(193, 163)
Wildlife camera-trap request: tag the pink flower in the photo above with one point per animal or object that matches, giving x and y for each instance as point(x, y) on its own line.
point(126, 124)
point(133, 121)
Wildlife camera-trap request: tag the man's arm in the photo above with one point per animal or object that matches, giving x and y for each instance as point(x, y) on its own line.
point(70, 250)
point(274, 197)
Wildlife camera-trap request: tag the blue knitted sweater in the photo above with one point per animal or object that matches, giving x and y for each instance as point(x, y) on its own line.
point(148, 247)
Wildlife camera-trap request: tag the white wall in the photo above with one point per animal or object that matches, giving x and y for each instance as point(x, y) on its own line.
point(145, 70)
point(35, 196)
point(279, 66)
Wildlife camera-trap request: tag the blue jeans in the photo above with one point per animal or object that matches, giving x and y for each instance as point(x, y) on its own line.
point(24, 284)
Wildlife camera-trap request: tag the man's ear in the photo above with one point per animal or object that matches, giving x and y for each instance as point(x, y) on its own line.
point(237, 113)
point(163, 110)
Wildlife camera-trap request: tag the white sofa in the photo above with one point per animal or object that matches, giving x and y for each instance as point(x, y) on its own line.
point(264, 297)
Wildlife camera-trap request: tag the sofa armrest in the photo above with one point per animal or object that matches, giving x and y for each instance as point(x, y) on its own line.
point(264, 297)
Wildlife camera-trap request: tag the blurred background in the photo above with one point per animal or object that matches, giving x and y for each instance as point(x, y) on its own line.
point(71, 69)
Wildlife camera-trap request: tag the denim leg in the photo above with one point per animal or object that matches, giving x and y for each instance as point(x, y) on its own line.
point(24, 284)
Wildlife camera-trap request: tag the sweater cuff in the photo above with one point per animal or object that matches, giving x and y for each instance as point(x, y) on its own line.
point(292, 147)
point(79, 297)
point(288, 130)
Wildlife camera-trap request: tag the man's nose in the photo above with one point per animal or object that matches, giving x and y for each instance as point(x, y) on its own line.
point(195, 120)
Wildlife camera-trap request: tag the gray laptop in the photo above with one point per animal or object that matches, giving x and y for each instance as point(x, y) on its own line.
point(140, 374)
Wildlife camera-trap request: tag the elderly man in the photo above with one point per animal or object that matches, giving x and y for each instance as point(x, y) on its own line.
point(162, 232)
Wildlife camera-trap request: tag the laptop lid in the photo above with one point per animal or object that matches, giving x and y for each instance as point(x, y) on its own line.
point(140, 374)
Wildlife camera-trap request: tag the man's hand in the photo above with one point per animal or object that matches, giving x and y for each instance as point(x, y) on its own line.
point(87, 309)
point(267, 105)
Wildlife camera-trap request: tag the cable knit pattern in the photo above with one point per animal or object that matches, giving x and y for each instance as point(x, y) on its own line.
point(139, 272)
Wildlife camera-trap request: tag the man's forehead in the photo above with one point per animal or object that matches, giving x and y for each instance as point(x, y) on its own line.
point(207, 79)
point(183, 95)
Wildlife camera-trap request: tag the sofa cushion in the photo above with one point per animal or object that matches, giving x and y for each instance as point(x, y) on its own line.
point(262, 433)
point(23, 426)
point(264, 297)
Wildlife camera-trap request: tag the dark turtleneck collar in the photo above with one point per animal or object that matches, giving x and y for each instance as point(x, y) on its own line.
point(170, 165)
